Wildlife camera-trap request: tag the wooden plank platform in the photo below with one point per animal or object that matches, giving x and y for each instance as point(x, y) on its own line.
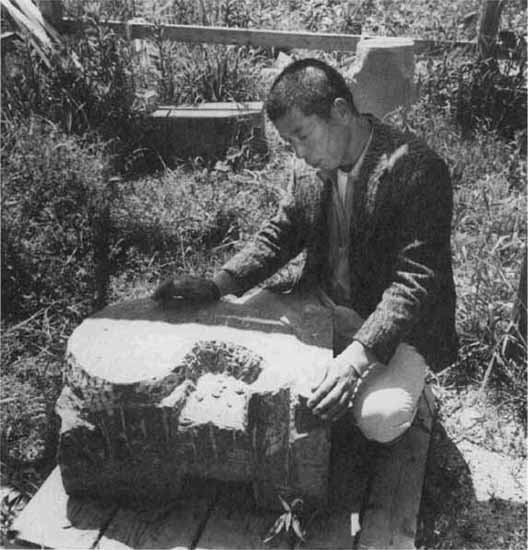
point(382, 485)
point(54, 520)
point(393, 499)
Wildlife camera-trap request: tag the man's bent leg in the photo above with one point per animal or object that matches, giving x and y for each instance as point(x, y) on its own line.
point(387, 399)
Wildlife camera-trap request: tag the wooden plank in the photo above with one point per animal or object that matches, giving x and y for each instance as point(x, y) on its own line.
point(349, 471)
point(242, 37)
point(236, 106)
point(235, 522)
point(264, 38)
point(175, 525)
point(390, 514)
point(52, 519)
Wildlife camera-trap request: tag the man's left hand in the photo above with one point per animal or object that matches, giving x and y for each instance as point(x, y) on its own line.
point(331, 397)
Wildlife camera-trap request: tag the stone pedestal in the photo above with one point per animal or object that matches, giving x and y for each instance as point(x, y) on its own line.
point(382, 78)
point(154, 395)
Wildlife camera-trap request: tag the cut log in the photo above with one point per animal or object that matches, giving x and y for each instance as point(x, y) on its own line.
point(153, 395)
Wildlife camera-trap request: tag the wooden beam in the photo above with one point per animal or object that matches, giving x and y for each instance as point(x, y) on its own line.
point(236, 523)
point(264, 38)
point(392, 506)
point(176, 525)
point(336, 528)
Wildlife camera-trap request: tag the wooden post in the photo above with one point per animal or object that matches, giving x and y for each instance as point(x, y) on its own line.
point(488, 27)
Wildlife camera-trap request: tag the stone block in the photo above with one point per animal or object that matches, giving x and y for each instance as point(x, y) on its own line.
point(382, 76)
point(153, 395)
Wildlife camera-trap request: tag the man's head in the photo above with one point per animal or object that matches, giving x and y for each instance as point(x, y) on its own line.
point(310, 85)
point(313, 110)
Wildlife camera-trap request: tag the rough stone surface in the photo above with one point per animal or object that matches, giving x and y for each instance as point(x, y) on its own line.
point(382, 78)
point(153, 395)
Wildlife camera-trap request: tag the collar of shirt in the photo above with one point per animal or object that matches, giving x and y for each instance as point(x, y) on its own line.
point(354, 169)
point(344, 178)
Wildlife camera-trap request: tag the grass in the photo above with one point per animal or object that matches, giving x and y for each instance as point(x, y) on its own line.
point(190, 219)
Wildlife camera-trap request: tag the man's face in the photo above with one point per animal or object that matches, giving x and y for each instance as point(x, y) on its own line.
point(321, 143)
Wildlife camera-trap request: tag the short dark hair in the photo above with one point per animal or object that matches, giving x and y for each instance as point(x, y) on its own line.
point(310, 85)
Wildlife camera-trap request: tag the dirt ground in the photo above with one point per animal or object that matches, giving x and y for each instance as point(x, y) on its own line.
point(475, 485)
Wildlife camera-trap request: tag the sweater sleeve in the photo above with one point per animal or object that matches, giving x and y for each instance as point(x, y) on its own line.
point(424, 231)
point(278, 241)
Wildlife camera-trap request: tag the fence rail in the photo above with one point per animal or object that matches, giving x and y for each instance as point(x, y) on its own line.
point(53, 11)
point(255, 37)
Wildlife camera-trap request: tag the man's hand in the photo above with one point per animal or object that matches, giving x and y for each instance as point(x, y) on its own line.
point(331, 397)
point(190, 290)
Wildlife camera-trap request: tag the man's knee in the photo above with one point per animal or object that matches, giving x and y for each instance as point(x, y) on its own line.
point(386, 416)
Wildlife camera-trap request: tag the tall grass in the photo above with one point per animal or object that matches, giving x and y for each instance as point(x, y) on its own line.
point(54, 191)
point(189, 74)
point(88, 87)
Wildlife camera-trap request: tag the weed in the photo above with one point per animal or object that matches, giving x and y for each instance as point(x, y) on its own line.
point(288, 523)
point(191, 74)
point(486, 94)
point(10, 505)
point(88, 86)
point(54, 193)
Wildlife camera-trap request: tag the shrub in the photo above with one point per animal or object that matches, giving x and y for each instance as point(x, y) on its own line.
point(55, 246)
point(54, 199)
point(87, 88)
point(197, 73)
point(479, 94)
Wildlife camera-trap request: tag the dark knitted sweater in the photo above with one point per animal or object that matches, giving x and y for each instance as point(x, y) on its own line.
point(400, 253)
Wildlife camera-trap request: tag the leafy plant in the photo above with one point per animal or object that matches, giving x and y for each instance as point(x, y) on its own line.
point(332, 16)
point(191, 74)
point(88, 86)
point(480, 94)
point(288, 522)
point(10, 505)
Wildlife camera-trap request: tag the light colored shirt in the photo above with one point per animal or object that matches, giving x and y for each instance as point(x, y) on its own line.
point(340, 217)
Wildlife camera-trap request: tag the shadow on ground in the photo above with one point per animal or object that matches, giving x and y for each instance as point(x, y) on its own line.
point(452, 517)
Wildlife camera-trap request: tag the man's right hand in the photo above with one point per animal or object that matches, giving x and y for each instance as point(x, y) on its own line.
point(190, 290)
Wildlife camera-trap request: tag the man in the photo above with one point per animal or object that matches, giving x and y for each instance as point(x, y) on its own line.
point(375, 221)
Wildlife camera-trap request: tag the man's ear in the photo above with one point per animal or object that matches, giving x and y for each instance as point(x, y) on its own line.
point(341, 109)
